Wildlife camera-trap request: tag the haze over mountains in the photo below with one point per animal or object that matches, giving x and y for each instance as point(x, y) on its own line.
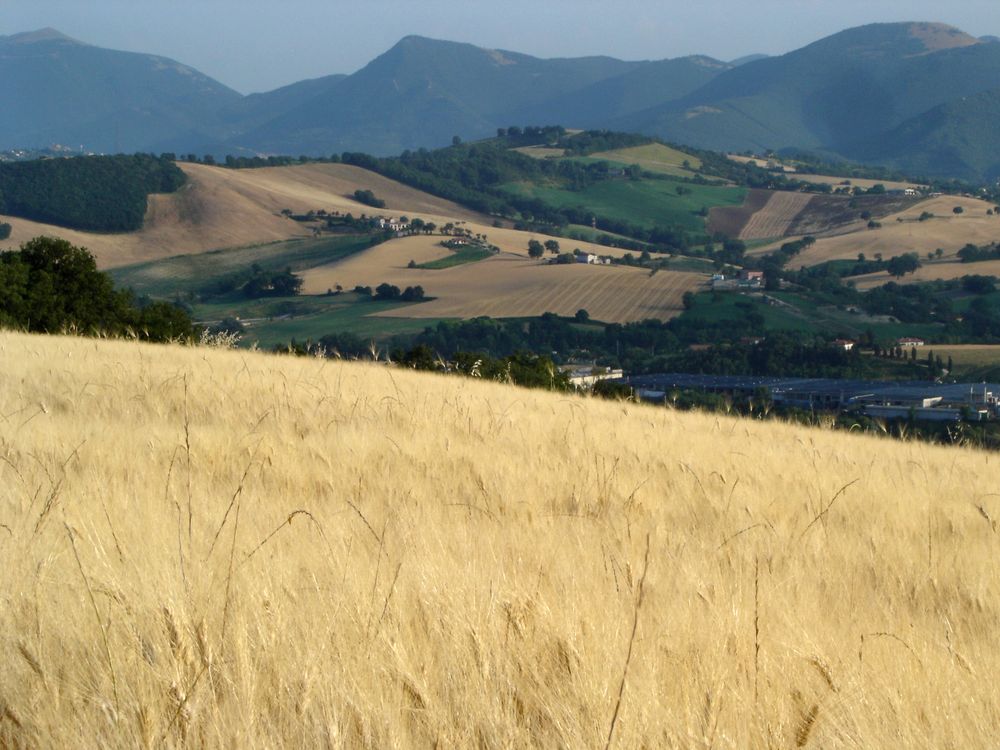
point(920, 97)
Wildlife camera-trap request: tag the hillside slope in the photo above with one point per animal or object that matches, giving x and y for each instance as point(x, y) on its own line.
point(221, 208)
point(421, 93)
point(57, 90)
point(856, 85)
point(229, 548)
point(959, 138)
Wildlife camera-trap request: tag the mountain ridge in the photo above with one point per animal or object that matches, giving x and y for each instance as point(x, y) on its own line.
point(845, 94)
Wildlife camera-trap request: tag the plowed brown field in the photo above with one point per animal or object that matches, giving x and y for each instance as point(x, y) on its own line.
point(777, 215)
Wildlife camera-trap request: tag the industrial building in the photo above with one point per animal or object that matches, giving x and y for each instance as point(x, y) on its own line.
point(889, 400)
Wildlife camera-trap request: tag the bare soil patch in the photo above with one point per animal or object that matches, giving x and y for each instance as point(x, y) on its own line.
point(775, 218)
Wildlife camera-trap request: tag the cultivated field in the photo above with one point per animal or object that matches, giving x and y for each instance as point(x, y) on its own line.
point(777, 215)
point(932, 271)
point(970, 355)
point(653, 157)
point(820, 179)
point(945, 230)
point(222, 208)
point(511, 285)
point(762, 163)
point(730, 220)
point(204, 548)
point(860, 182)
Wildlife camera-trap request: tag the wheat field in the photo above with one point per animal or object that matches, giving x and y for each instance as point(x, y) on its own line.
point(211, 548)
point(509, 284)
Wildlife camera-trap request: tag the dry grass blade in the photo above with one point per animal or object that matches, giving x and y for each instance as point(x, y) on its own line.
point(283, 524)
point(97, 614)
point(819, 517)
point(631, 645)
point(741, 532)
point(232, 502)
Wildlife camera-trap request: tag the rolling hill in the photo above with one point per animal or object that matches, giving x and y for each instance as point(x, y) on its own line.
point(903, 232)
point(222, 208)
point(206, 547)
point(181, 244)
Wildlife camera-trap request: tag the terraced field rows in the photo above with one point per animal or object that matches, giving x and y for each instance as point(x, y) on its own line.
point(776, 217)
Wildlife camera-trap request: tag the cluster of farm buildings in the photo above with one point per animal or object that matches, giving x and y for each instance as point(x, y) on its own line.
point(746, 279)
point(906, 400)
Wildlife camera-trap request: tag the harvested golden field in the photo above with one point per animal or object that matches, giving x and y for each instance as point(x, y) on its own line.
point(205, 548)
point(945, 230)
point(822, 179)
point(970, 355)
point(757, 162)
point(654, 157)
point(777, 215)
point(931, 271)
point(222, 208)
point(509, 285)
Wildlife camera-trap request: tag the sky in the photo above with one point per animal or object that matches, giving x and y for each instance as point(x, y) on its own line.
point(257, 46)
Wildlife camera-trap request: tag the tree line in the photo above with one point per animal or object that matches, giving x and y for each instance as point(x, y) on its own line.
point(92, 193)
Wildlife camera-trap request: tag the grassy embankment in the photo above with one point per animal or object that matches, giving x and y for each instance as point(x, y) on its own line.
point(210, 548)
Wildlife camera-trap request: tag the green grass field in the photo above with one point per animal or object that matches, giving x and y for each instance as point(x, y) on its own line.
point(463, 255)
point(646, 203)
point(278, 320)
point(188, 273)
point(653, 157)
point(801, 314)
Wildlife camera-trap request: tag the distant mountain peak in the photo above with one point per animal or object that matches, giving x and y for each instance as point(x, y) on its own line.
point(48, 34)
point(940, 36)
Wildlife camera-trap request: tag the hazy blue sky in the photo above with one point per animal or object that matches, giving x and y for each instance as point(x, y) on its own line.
point(256, 46)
